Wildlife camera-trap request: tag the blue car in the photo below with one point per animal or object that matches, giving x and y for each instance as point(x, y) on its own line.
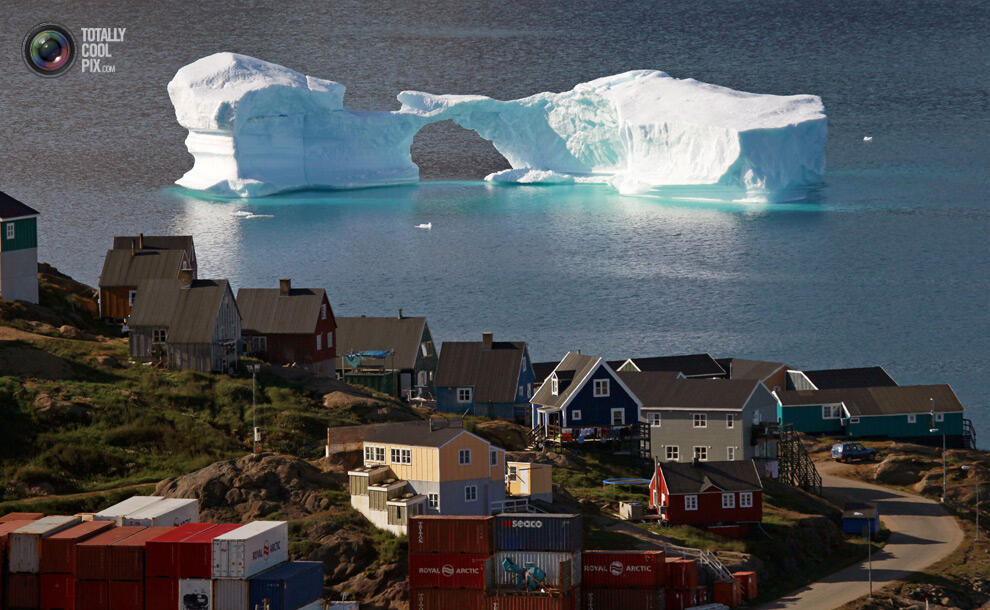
point(848, 452)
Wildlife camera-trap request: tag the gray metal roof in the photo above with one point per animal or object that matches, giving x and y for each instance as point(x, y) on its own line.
point(269, 312)
point(403, 335)
point(689, 478)
point(861, 377)
point(121, 268)
point(492, 372)
point(692, 365)
point(884, 400)
point(12, 208)
point(573, 368)
point(741, 368)
point(649, 386)
point(414, 433)
point(667, 393)
point(157, 242)
point(189, 313)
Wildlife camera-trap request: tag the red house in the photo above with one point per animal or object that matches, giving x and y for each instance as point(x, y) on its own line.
point(287, 325)
point(715, 495)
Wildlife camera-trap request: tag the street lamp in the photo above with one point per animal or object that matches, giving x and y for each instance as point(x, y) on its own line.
point(933, 430)
point(255, 433)
point(869, 550)
point(977, 485)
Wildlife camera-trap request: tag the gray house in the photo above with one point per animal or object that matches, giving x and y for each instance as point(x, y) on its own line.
point(186, 324)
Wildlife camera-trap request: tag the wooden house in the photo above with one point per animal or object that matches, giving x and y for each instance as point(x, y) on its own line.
point(125, 268)
point(393, 354)
point(773, 375)
point(160, 242)
point(487, 377)
point(716, 495)
point(529, 479)
point(186, 324)
point(287, 325)
point(18, 250)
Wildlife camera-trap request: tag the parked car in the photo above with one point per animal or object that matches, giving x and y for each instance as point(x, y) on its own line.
point(847, 452)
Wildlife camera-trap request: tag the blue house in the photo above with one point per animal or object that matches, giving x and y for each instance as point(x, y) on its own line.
point(487, 377)
point(584, 398)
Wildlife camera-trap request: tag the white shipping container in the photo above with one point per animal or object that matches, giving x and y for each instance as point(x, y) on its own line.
point(231, 594)
point(23, 544)
point(195, 594)
point(170, 512)
point(116, 512)
point(549, 562)
point(335, 606)
point(251, 548)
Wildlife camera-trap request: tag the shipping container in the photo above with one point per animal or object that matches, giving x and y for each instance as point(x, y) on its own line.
point(451, 534)
point(127, 554)
point(92, 595)
point(563, 570)
point(21, 517)
point(336, 605)
point(447, 599)
point(170, 512)
point(93, 555)
point(682, 573)
point(23, 591)
point(116, 512)
point(702, 595)
point(58, 591)
point(287, 587)
point(161, 593)
point(161, 554)
point(196, 552)
point(125, 594)
point(538, 532)
point(249, 549)
point(449, 571)
point(5, 528)
point(231, 594)
point(568, 601)
point(748, 581)
point(58, 551)
point(24, 544)
point(728, 593)
point(196, 594)
point(678, 599)
point(627, 599)
point(623, 569)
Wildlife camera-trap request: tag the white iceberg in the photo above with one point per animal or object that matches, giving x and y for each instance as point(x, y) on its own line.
point(256, 128)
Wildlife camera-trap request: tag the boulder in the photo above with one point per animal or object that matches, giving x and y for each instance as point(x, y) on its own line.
point(898, 470)
point(70, 332)
point(49, 407)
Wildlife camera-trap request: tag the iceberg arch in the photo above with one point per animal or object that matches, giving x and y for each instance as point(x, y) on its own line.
point(257, 128)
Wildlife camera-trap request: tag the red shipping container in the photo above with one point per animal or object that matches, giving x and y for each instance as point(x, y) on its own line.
point(451, 534)
point(161, 594)
point(446, 599)
point(161, 555)
point(91, 595)
point(728, 593)
point(623, 569)
point(125, 595)
point(21, 517)
point(58, 551)
point(682, 573)
point(534, 602)
point(93, 556)
point(678, 599)
point(127, 555)
point(58, 591)
point(196, 552)
point(702, 595)
point(448, 570)
point(748, 581)
point(23, 591)
point(615, 599)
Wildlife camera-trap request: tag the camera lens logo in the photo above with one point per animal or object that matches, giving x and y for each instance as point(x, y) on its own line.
point(49, 49)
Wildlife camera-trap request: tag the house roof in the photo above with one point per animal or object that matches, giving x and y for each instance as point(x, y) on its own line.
point(12, 208)
point(157, 242)
point(574, 366)
point(542, 370)
point(492, 372)
point(649, 386)
point(692, 365)
point(728, 394)
point(402, 335)
point(862, 377)
point(122, 268)
point(414, 433)
point(869, 511)
point(884, 400)
point(269, 312)
point(694, 477)
point(741, 368)
point(189, 313)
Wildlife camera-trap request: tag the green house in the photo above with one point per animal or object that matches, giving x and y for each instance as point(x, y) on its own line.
point(18, 250)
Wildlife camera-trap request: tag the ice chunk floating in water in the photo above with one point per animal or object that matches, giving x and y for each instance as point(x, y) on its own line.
point(257, 128)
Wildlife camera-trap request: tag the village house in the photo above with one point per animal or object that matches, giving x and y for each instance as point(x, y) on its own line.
point(18, 250)
point(186, 324)
point(287, 325)
point(160, 242)
point(724, 497)
point(541, 371)
point(125, 268)
point(487, 377)
point(773, 375)
point(394, 355)
point(833, 379)
point(690, 365)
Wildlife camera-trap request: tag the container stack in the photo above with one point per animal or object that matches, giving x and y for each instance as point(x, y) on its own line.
point(162, 563)
point(237, 556)
point(450, 561)
point(125, 582)
point(623, 579)
point(93, 568)
point(57, 563)
point(24, 560)
point(6, 527)
point(682, 579)
point(747, 582)
point(550, 544)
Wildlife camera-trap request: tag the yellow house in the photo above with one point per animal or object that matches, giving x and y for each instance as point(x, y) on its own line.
point(530, 479)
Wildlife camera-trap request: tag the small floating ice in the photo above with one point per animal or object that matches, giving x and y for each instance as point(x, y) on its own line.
point(867, 138)
point(425, 225)
point(527, 175)
point(253, 216)
point(242, 213)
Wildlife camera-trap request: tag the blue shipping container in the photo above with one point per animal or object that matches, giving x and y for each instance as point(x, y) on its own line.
point(289, 586)
point(538, 532)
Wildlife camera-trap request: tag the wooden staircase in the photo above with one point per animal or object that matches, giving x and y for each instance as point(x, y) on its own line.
point(796, 466)
point(969, 434)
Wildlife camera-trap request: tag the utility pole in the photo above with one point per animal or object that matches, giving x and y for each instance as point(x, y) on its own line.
point(941, 429)
point(255, 433)
point(867, 534)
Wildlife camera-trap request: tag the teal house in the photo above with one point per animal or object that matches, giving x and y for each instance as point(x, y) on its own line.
point(18, 250)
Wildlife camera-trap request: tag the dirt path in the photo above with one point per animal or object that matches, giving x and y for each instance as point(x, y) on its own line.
point(85, 494)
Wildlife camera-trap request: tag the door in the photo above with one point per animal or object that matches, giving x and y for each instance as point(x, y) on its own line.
point(405, 382)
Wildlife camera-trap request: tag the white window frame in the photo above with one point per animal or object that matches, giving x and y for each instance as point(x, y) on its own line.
point(602, 388)
point(433, 500)
point(702, 449)
point(11, 231)
point(700, 418)
point(730, 420)
point(374, 455)
point(319, 342)
point(612, 413)
point(730, 454)
point(400, 456)
point(554, 386)
point(575, 414)
point(831, 411)
point(745, 499)
point(691, 502)
point(673, 453)
point(464, 457)
point(940, 417)
point(470, 493)
point(853, 420)
point(323, 311)
point(655, 418)
point(513, 473)
point(465, 395)
point(912, 418)
point(493, 458)
point(728, 500)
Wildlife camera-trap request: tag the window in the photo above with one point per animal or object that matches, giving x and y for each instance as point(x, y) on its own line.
point(912, 418)
point(259, 344)
point(464, 394)
point(730, 420)
point(575, 414)
point(329, 340)
point(618, 417)
point(434, 501)
point(513, 472)
point(730, 453)
point(10, 230)
point(700, 420)
point(553, 385)
point(464, 457)
point(529, 390)
point(421, 378)
point(690, 502)
point(601, 388)
point(470, 493)
point(374, 454)
point(831, 411)
point(673, 453)
point(728, 500)
point(323, 311)
point(159, 335)
point(654, 419)
point(940, 417)
point(746, 499)
point(131, 295)
point(853, 420)
point(701, 454)
point(401, 456)
point(493, 455)
point(319, 342)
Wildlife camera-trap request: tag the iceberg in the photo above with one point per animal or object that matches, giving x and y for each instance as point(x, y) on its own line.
point(257, 128)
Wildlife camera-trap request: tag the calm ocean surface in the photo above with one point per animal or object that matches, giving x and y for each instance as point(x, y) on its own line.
point(888, 264)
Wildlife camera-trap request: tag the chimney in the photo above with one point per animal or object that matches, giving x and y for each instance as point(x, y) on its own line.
point(486, 339)
point(140, 241)
point(185, 277)
point(284, 286)
point(400, 313)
